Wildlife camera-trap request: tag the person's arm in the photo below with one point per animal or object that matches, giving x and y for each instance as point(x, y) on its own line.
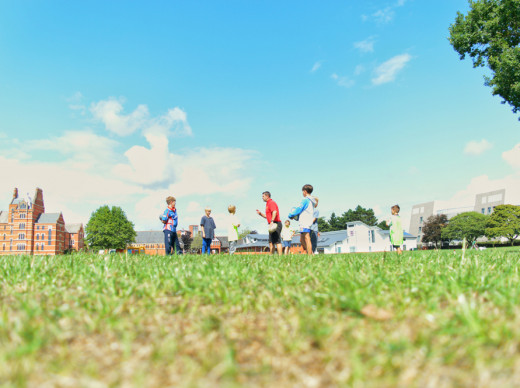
point(260, 214)
point(273, 216)
point(299, 210)
point(202, 227)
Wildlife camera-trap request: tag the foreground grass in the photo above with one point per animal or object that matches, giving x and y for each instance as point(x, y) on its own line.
point(421, 319)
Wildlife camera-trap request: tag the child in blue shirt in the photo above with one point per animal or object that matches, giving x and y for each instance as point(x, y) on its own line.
point(170, 220)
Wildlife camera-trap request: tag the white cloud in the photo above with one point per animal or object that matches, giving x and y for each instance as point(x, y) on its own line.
point(477, 147)
point(76, 103)
point(465, 198)
point(513, 156)
point(173, 123)
point(316, 66)
point(387, 71)
point(359, 70)
point(365, 46)
point(83, 149)
point(384, 15)
point(109, 113)
point(343, 81)
point(91, 170)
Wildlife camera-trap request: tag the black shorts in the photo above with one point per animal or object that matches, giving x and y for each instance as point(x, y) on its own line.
point(276, 236)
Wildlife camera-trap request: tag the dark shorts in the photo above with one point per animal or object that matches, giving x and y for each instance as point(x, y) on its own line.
point(276, 236)
point(395, 246)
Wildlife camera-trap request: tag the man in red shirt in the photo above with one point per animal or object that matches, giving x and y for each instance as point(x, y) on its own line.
point(272, 214)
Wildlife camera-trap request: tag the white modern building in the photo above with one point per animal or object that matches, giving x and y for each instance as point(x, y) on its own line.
point(484, 203)
point(358, 237)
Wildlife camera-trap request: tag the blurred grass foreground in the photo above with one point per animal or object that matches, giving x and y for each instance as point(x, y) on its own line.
point(431, 318)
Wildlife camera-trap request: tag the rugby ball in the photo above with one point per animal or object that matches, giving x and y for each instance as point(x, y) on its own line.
point(272, 227)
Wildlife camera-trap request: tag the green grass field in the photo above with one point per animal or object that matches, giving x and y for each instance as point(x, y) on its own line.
point(422, 319)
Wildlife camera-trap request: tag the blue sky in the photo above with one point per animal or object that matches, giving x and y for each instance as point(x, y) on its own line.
point(123, 103)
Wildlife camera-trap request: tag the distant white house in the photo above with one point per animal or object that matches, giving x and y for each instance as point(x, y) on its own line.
point(359, 237)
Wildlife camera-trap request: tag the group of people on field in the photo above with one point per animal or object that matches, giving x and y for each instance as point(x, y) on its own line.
point(280, 235)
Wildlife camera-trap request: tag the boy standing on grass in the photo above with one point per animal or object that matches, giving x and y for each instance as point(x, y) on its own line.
point(306, 215)
point(233, 225)
point(396, 229)
point(170, 220)
point(208, 230)
point(287, 234)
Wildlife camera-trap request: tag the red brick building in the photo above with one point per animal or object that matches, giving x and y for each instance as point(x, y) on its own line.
point(25, 229)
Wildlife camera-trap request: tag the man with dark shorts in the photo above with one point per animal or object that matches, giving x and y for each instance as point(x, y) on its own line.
point(272, 214)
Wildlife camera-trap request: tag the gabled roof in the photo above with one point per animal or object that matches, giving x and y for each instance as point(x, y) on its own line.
point(224, 243)
point(73, 228)
point(149, 237)
point(48, 218)
point(4, 217)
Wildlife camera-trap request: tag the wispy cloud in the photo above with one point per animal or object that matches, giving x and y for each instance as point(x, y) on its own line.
point(477, 147)
point(343, 81)
point(386, 14)
point(316, 67)
point(387, 71)
point(365, 46)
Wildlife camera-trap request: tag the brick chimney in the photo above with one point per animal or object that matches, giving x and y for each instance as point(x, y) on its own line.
point(15, 193)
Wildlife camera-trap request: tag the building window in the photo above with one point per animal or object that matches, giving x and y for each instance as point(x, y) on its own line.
point(420, 229)
point(50, 234)
point(3, 247)
point(22, 226)
point(4, 236)
point(43, 227)
point(483, 211)
point(37, 236)
point(37, 247)
point(420, 220)
point(22, 215)
point(37, 227)
point(21, 236)
point(43, 246)
point(489, 210)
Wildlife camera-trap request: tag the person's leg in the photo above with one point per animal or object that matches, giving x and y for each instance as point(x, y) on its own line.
point(303, 241)
point(177, 244)
point(204, 245)
point(232, 247)
point(308, 243)
point(167, 242)
point(271, 248)
point(314, 240)
point(279, 248)
point(399, 251)
point(208, 245)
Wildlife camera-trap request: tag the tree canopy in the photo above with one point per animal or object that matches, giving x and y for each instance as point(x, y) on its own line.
point(432, 228)
point(504, 222)
point(340, 223)
point(490, 35)
point(469, 225)
point(109, 228)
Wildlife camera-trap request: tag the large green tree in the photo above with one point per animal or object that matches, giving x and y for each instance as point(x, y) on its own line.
point(432, 229)
point(109, 228)
point(504, 222)
point(359, 214)
point(469, 225)
point(490, 35)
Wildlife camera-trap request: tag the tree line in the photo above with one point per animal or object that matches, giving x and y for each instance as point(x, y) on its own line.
point(503, 222)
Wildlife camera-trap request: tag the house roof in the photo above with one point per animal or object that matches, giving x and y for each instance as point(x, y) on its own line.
point(149, 237)
point(73, 228)
point(48, 218)
point(405, 234)
point(224, 242)
point(325, 239)
point(4, 217)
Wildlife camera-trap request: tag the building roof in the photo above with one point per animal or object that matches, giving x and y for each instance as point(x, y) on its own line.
point(4, 217)
point(325, 239)
point(405, 234)
point(149, 237)
point(224, 243)
point(73, 228)
point(257, 240)
point(48, 218)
